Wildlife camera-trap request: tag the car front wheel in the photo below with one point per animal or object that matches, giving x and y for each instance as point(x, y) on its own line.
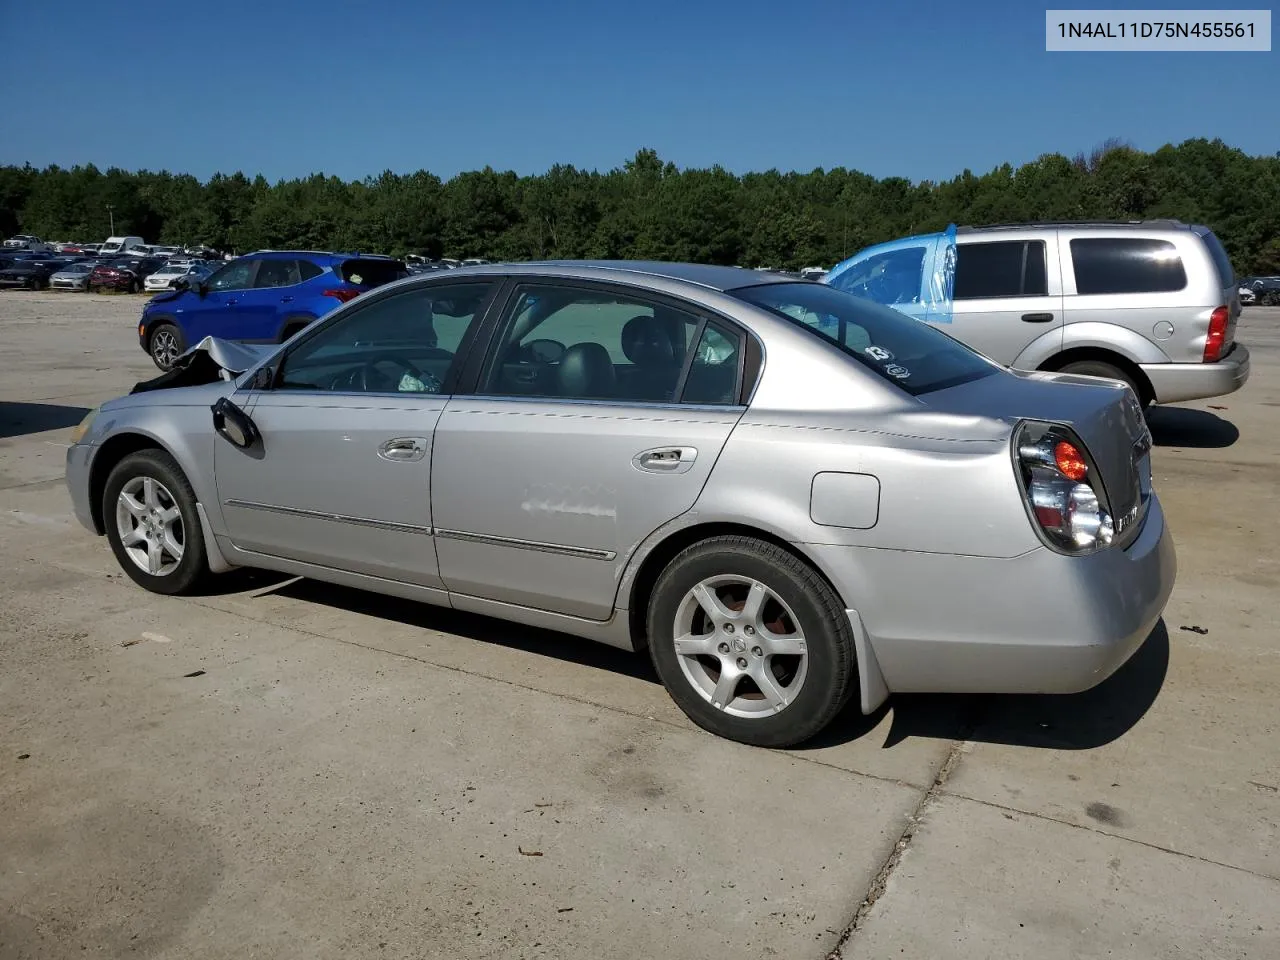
point(751, 643)
point(165, 345)
point(149, 511)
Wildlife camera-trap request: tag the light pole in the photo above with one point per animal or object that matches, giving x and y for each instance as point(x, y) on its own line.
point(111, 213)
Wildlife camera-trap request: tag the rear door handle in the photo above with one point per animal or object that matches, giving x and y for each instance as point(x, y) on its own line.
point(404, 449)
point(286, 299)
point(1038, 318)
point(666, 459)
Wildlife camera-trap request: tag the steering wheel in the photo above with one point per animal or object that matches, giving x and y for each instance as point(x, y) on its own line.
point(367, 378)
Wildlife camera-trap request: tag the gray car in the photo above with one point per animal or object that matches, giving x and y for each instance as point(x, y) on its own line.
point(789, 496)
point(74, 276)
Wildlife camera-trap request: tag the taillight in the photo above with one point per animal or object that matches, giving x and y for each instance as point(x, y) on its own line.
point(1217, 335)
point(344, 294)
point(1064, 494)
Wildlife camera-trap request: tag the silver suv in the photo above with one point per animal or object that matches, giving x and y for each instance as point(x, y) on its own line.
point(1152, 303)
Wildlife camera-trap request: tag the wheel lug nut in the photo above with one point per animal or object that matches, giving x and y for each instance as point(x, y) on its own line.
point(757, 652)
point(723, 648)
point(742, 663)
point(750, 631)
point(728, 628)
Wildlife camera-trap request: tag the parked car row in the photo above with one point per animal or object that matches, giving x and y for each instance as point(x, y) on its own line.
point(263, 297)
point(1264, 291)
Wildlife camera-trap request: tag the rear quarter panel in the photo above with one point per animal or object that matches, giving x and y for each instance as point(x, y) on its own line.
point(1103, 316)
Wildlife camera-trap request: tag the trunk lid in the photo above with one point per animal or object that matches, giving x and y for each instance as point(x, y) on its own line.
point(1104, 414)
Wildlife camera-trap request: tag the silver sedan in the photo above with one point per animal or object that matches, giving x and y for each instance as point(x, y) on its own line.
point(74, 276)
point(789, 497)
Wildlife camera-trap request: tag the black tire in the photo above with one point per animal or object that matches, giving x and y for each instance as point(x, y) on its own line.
point(133, 286)
point(294, 325)
point(163, 350)
point(173, 491)
point(1099, 368)
point(831, 671)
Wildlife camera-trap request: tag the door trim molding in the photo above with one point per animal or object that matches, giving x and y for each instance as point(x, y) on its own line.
point(586, 553)
point(334, 517)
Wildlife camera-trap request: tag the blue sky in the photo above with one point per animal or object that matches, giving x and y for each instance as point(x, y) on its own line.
point(290, 87)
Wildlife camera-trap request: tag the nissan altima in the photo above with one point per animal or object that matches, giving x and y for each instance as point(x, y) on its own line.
point(789, 497)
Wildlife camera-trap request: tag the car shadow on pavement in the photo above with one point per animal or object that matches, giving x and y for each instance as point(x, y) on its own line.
point(544, 643)
point(1185, 427)
point(18, 419)
point(1078, 721)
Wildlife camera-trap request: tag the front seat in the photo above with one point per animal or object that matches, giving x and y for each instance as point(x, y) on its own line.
point(586, 370)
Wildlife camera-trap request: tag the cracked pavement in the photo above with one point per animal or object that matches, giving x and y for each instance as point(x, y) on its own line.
point(358, 776)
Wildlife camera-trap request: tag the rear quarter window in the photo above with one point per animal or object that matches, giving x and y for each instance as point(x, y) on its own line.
point(1126, 265)
point(1226, 273)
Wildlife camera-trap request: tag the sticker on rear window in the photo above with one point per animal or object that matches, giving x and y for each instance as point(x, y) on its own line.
point(878, 353)
point(355, 278)
point(895, 370)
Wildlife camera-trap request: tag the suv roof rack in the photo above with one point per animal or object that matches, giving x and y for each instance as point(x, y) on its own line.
point(1031, 224)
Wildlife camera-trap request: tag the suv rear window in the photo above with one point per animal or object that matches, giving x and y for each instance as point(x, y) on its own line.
point(371, 273)
point(908, 353)
point(1005, 268)
point(1126, 265)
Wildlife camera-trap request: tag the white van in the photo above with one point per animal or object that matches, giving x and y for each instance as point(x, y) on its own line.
point(116, 245)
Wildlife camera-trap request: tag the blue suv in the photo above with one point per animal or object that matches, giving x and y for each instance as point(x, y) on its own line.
point(264, 297)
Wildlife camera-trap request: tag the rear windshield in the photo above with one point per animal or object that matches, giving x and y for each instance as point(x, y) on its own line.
point(1220, 259)
point(371, 273)
point(908, 353)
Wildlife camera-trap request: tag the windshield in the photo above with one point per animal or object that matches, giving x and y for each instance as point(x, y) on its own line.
point(908, 353)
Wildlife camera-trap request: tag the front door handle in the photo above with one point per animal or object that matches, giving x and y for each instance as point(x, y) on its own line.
point(404, 449)
point(666, 459)
point(286, 299)
point(1037, 318)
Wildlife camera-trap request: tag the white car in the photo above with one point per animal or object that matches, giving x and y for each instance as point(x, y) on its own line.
point(163, 278)
point(1247, 295)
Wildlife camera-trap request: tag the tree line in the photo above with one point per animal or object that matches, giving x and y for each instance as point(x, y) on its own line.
point(650, 209)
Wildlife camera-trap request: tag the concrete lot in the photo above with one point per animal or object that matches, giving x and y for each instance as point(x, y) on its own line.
point(349, 776)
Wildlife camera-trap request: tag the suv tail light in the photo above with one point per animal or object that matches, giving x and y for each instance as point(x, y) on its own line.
point(343, 294)
point(1217, 335)
point(1063, 491)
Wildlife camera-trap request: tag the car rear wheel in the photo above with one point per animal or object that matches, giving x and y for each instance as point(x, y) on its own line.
point(1098, 368)
point(750, 642)
point(152, 523)
point(165, 345)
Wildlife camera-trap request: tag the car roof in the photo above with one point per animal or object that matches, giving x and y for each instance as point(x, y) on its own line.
point(328, 255)
point(705, 275)
point(1081, 224)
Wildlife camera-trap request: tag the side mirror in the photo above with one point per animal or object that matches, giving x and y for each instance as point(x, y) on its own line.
point(202, 289)
point(234, 425)
point(180, 284)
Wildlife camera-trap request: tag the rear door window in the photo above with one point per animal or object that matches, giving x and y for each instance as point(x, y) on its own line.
point(1005, 268)
point(892, 277)
point(1126, 265)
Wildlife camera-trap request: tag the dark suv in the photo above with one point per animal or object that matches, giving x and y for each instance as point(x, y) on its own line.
point(264, 297)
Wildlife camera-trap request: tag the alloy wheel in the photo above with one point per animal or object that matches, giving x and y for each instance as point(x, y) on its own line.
point(150, 526)
point(740, 646)
point(164, 347)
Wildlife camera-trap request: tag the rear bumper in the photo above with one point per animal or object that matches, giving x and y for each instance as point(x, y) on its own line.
point(1039, 623)
point(1173, 382)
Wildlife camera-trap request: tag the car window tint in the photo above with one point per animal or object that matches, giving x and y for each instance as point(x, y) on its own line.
point(308, 270)
point(1005, 268)
point(234, 276)
point(405, 343)
point(891, 277)
point(907, 353)
point(1126, 265)
point(713, 372)
point(1226, 273)
point(575, 343)
point(277, 273)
